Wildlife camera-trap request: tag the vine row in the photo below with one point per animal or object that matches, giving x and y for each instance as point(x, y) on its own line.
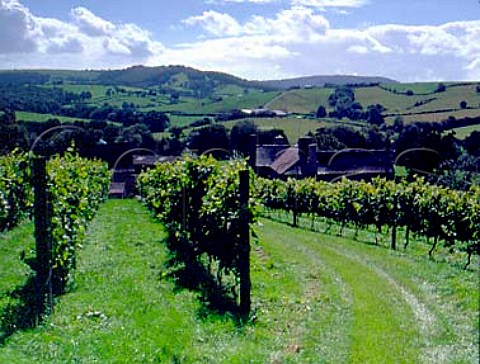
point(16, 196)
point(198, 202)
point(76, 187)
point(418, 207)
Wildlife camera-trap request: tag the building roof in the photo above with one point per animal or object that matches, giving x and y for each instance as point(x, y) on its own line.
point(355, 159)
point(267, 154)
point(150, 160)
point(285, 160)
point(117, 188)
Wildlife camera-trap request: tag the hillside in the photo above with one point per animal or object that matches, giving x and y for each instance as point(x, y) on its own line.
point(322, 81)
point(187, 95)
point(175, 77)
point(423, 103)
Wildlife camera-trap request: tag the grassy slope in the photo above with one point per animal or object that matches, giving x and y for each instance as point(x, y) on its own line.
point(307, 101)
point(316, 299)
point(437, 116)
point(12, 271)
point(302, 101)
point(31, 116)
point(462, 133)
point(294, 128)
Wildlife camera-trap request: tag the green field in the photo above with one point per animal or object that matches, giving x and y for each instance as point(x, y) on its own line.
point(302, 101)
point(294, 128)
point(254, 99)
point(182, 121)
point(436, 116)
point(417, 88)
point(316, 298)
point(462, 133)
point(433, 107)
point(31, 116)
point(307, 101)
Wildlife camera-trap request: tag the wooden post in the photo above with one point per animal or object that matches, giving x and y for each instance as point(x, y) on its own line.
point(42, 235)
point(394, 227)
point(244, 261)
point(295, 213)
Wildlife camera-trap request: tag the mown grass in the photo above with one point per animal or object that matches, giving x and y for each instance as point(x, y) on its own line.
point(13, 272)
point(464, 132)
point(316, 299)
point(31, 116)
point(307, 101)
point(436, 116)
point(294, 128)
point(302, 101)
point(416, 87)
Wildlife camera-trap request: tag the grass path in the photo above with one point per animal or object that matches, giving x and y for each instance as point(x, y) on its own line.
point(381, 327)
point(316, 299)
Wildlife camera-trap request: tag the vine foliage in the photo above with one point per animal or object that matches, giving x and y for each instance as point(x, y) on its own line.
point(198, 202)
point(434, 212)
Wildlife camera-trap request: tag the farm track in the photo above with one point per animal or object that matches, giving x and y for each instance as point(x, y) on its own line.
point(383, 313)
point(434, 333)
point(316, 299)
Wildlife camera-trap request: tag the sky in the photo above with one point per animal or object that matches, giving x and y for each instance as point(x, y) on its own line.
point(417, 40)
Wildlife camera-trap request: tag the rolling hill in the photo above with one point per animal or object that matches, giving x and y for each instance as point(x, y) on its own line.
point(322, 81)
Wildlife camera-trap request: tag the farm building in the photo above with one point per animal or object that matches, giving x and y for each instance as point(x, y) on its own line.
point(305, 160)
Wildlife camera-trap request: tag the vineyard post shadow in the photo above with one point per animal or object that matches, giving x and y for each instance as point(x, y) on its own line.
point(244, 253)
point(43, 263)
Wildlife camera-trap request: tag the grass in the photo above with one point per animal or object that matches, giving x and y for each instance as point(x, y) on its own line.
point(316, 299)
point(179, 120)
point(464, 132)
point(253, 99)
point(307, 101)
point(418, 88)
point(436, 116)
point(31, 116)
point(12, 271)
point(302, 101)
point(294, 128)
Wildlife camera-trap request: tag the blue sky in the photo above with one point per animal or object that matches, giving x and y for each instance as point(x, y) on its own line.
point(416, 40)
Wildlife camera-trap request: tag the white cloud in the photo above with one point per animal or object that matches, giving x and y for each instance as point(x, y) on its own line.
point(252, 56)
point(17, 28)
point(70, 45)
point(219, 2)
point(90, 40)
point(215, 23)
point(295, 24)
point(90, 24)
point(295, 41)
point(310, 45)
point(321, 4)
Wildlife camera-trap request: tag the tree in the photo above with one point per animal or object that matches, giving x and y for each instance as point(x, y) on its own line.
point(321, 112)
point(427, 136)
point(374, 114)
point(472, 143)
point(240, 136)
point(339, 137)
point(441, 87)
point(174, 98)
point(137, 135)
point(156, 121)
point(12, 134)
point(398, 124)
point(212, 137)
point(463, 104)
